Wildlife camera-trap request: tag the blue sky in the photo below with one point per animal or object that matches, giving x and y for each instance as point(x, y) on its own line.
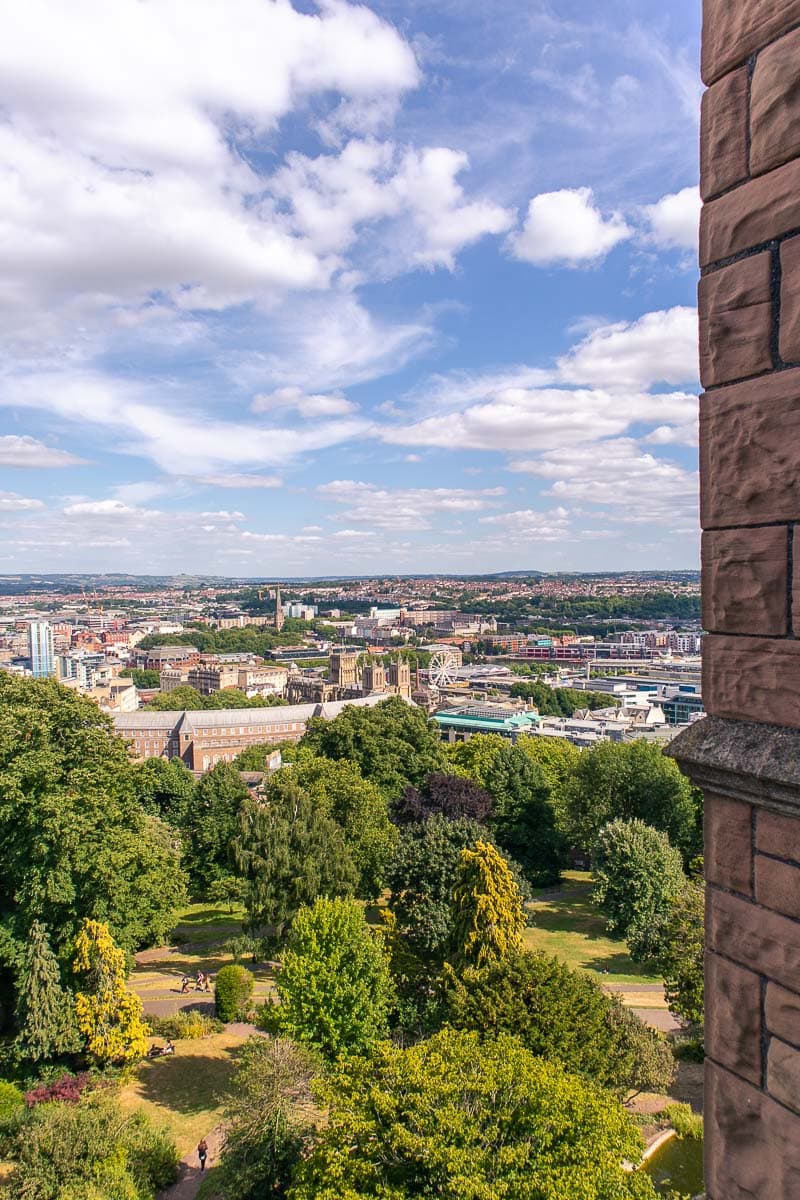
point(329, 288)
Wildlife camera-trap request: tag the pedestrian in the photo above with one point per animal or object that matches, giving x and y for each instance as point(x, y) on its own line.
point(202, 1153)
point(198, 984)
point(184, 984)
point(207, 987)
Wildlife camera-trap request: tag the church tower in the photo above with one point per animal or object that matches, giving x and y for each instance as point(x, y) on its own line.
point(279, 617)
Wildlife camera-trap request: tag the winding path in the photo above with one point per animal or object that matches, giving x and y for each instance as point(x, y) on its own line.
point(191, 1176)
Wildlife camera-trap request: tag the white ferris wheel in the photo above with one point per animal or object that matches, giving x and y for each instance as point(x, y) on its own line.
point(443, 668)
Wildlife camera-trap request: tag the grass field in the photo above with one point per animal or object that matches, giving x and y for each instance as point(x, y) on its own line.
point(567, 924)
point(186, 1093)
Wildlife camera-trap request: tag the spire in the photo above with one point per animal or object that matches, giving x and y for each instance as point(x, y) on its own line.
point(279, 618)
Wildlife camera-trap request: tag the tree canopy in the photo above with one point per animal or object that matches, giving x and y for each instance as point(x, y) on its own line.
point(211, 825)
point(627, 780)
point(461, 1119)
point(289, 853)
point(334, 985)
point(74, 841)
point(523, 819)
point(488, 916)
point(393, 744)
point(637, 875)
point(189, 698)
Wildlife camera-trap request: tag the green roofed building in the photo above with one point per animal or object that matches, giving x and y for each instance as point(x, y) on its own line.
point(459, 724)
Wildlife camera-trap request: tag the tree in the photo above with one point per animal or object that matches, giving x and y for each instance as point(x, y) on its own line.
point(289, 854)
point(334, 985)
point(421, 879)
point(339, 790)
point(630, 780)
point(254, 758)
point(393, 744)
point(488, 917)
point(211, 825)
point(142, 678)
point(233, 988)
point(267, 1118)
point(459, 1119)
point(679, 954)
point(557, 758)
point(109, 1016)
point(523, 820)
point(561, 1015)
point(92, 1150)
point(176, 699)
point(450, 796)
point(74, 841)
point(165, 788)
point(637, 874)
point(45, 1010)
point(474, 758)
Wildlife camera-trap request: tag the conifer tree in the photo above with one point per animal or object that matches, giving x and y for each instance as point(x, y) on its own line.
point(109, 1016)
point(44, 1013)
point(488, 910)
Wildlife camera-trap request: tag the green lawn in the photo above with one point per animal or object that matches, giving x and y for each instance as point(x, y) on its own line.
point(566, 923)
point(205, 922)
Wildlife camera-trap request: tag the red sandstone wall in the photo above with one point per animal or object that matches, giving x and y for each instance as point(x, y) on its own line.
point(750, 358)
point(750, 482)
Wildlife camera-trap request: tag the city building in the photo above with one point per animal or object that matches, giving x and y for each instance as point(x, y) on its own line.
point(343, 668)
point(279, 614)
point(41, 650)
point(203, 738)
point(459, 724)
point(208, 678)
point(373, 678)
point(400, 677)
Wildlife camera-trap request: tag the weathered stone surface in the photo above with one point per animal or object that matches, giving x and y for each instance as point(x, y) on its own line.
point(789, 336)
point(728, 854)
point(765, 941)
point(778, 835)
point(752, 1144)
point(745, 580)
point(775, 105)
point(736, 321)
point(723, 134)
point(751, 215)
point(733, 1021)
point(747, 677)
point(734, 29)
point(783, 1074)
point(753, 762)
point(778, 886)
point(750, 452)
point(782, 1010)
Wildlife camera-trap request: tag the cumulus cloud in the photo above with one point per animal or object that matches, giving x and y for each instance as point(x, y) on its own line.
point(403, 508)
point(532, 525)
point(16, 451)
point(12, 502)
point(294, 399)
point(660, 347)
point(241, 479)
point(567, 227)
point(674, 220)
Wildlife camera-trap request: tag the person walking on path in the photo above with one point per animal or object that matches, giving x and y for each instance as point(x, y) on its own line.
point(198, 984)
point(202, 1153)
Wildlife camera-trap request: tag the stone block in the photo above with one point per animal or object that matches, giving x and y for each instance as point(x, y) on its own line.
point(789, 336)
point(775, 105)
point(783, 1074)
point(779, 835)
point(733, 1021)
point(734, 29)
point(745, 580)
point(752, 1144)
point(723, 134)
point(778, 885)
point(728, 855)
point(782, 1011)
point(752, 679)
point(736, 321)
point(750, 452)
point(761, 940)
point(751, 215)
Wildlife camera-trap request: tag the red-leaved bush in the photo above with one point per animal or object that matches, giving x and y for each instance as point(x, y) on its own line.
point(67, 1088)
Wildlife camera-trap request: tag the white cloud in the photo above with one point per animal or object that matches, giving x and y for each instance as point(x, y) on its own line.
point(12, 502)
point(16, 451)
point(670, 435)
point(107, 508)
point(181, 441)
point(241, 480)
point(100, 187)
point(619, 474)
point(531, 525)
point(567, 227)
point(660, 347)
point(403, 508)
point(294, 399)
point(675, 219)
